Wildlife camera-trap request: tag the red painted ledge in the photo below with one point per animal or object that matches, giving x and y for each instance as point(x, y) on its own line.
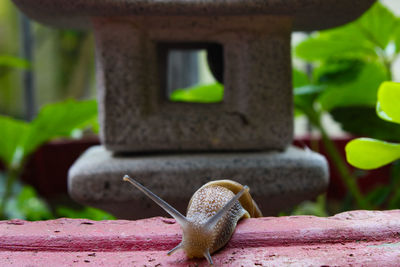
point(367, 238)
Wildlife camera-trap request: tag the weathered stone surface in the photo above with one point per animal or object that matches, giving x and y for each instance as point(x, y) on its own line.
point(306, 14)
point(256, 113)
point(357, 238)
point(277, 180)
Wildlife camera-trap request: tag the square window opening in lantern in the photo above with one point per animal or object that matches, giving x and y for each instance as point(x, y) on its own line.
point(192, 72)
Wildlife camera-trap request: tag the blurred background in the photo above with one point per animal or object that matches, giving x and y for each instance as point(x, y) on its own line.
point(61, 62)
point(336, 74)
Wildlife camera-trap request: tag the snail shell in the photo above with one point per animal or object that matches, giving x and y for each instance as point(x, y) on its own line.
point(212, 215)
point(245, 200)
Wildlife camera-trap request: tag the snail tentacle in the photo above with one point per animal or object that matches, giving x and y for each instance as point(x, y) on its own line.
point(183, 222)
point(212, 215)
point(208, 257)
point(169, 253)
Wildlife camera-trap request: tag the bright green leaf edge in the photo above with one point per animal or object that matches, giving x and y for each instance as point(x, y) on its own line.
point(387, 106)
point(367, 153)
point(14, 62)
point(210, 93)
point(13, 132)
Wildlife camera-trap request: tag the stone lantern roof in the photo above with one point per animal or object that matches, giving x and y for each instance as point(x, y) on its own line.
point(307, 14)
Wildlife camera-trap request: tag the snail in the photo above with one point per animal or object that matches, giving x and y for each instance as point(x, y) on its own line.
point(212, 215)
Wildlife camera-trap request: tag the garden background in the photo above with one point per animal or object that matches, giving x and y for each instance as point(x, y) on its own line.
point(47, 94)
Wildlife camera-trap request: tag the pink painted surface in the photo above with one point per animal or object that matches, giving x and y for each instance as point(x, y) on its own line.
point(354, 238)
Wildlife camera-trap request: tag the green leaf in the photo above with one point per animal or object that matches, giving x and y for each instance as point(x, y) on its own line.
point(360, 92)
point(397, 36)
point(366, 153)
point(31, 206)
point(378, 25)
point(59, 120)
point(388, 102)
point(338, 71)
point(299, 78)
point(14, 62)
point(359, 39)
point(344, 42)
point(19, 139)
point(211, 93)
point(24, 203)
point(12, 134)
point(317, 208)
point(95, 125)
point(11, 210)
point(85, 212)
point(363, 121)
point(304, 98)
point(308, 90)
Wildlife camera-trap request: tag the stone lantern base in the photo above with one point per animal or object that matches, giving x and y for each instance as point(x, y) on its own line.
point(277, 180)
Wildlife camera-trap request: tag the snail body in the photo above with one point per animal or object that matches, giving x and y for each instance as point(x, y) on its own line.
point(212, 215)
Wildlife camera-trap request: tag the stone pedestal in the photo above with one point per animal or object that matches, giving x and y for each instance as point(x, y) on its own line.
point(277, 180)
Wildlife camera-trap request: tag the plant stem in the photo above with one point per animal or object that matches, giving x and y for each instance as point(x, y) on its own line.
point(11, 177)
point(347, 178)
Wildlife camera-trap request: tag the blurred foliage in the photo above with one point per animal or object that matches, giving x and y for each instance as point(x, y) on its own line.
point(353, 60)
point(316, 208)
point(10, 95)
point(364, 121)
point(20, 139)
point(84, 212)
point(63, 64)
point(63, 67)
point(349, 63)
point(62, 119)
point(9, 62)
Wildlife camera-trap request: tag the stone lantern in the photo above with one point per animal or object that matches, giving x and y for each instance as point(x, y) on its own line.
point(174, 148)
